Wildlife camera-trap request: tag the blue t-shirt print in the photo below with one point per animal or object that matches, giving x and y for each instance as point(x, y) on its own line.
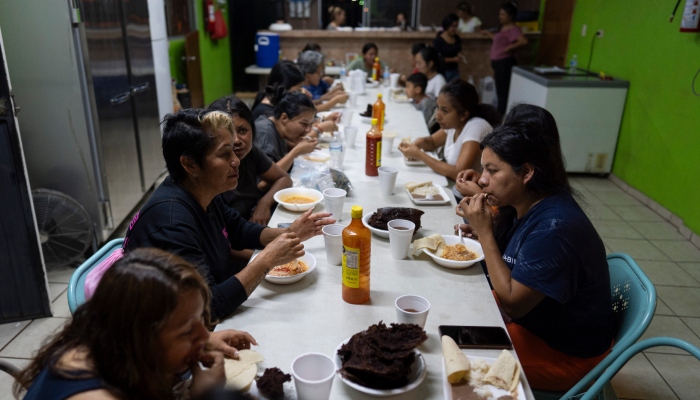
point(555, 250)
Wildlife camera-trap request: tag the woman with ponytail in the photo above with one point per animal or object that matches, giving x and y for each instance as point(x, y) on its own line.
point(337, 17)
point(463, 122)
point(545, 260)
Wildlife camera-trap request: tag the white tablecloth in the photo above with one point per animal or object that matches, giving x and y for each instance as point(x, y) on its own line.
point(311, 316)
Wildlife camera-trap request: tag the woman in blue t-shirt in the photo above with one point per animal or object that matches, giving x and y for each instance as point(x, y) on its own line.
point(545, 260)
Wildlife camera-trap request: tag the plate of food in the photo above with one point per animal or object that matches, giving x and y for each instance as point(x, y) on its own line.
point(242, 376)
point(378, 220)
point(292, 272)
point(298, 198)
point(400, 97)
point(450, 251)
point(425, 193)
point(467, 377)
point(371, 83)
point(403, 367)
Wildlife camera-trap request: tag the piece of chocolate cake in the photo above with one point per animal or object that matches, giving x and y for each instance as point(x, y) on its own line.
point(381, 218)
point(270, 384)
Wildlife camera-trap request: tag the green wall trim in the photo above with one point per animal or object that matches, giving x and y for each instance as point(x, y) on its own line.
point(658, 151)
point(176, 51)
point(215, 56)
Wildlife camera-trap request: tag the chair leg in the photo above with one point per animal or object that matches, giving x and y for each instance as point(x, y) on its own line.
point(9, 368)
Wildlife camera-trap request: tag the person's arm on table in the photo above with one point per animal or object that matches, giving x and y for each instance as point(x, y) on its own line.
point(305, 227)
point(515, 298)
point(305, 146)
point(276, 179)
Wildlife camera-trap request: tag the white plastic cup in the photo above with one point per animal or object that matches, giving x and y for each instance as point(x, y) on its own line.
point(400, 235)
point(352, 99)
point(313, 376)
point(333, 240)
point(334, 200)
point(386, 93)
point(350, 136)
point(412, 309)
point(388, 138)
point(346, 115)
point(394, 79)
point(387, 179)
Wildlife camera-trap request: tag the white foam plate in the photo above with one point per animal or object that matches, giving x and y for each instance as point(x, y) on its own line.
point(378, 232)
point(418, 371)
point(443, 193)
point(451, 240)
point(308, 258)
point(496, 393)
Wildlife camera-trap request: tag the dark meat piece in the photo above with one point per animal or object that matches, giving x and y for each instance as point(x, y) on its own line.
point(368, 111)
point(383, 215)
point(381, 357)
point(271, 383)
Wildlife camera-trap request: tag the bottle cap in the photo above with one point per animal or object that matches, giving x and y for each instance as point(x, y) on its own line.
point(379, 96)
point(356, 212)
point(376, 58)
point(375, 121)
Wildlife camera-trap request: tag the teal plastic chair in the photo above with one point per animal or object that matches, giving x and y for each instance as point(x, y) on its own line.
point(76, 292)
point(633, 350)
point(633, 303)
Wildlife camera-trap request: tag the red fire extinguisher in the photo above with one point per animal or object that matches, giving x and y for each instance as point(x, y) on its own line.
point(209, 12)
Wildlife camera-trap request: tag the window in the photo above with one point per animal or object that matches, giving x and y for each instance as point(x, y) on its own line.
point(180, 17)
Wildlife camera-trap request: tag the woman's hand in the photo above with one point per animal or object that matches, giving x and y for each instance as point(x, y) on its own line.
point(410, 150)
point(340, 98)
point(204, 380)
point(327, 126)
point(466, 231)
point(285, 248)
point(230, 341)
point(305, 146)
point(467, 188)
point(469, 175)
point(478, 213)
point(309, 225)
point(261, 215)
point(333, 117)
point(307, 93)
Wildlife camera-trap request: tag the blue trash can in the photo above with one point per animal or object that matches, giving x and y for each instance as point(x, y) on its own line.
point(267, 49)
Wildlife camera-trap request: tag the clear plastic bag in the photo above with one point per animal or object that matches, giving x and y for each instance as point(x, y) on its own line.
point(315, 175)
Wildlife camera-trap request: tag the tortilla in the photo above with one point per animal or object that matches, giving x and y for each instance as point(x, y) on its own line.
point(504, 373)
point(411, 186)
point(244, 379)
point(246, 358)
point(457, 364)
point(435, 242)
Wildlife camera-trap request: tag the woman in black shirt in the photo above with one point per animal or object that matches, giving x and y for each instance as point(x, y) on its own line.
point(449, 45)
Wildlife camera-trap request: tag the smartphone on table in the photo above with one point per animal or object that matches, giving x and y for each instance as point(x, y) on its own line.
point(477, 337)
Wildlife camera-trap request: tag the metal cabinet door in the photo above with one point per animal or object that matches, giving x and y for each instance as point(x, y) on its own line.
point(144, 96)
point(106, 65)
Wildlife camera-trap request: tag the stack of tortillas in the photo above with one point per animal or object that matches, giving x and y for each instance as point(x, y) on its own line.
point(504, 373)
point(435, 243)
point(240, 373)
point(457, 364)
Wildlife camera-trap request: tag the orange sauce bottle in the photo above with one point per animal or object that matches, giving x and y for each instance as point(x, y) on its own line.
point(357, 245)
point(378, 111)
point(376, 69)
point(373, 152)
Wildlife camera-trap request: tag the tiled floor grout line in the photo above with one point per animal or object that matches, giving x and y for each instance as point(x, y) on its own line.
point(16, 336)
point(662, 377)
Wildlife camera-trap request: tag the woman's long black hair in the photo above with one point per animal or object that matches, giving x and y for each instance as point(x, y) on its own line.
point(284, 75)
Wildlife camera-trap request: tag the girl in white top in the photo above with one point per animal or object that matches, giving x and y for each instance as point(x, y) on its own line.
point(429, 62)
point(463, 123)
point(468, 22)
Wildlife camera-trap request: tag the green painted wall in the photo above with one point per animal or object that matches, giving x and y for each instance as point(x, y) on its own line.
point(178, 68)
point(215, 55)
point(658, 151)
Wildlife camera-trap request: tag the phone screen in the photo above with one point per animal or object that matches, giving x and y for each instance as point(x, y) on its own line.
point(477, 337)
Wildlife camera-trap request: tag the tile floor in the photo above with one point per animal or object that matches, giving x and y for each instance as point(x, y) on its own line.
point(626, 225)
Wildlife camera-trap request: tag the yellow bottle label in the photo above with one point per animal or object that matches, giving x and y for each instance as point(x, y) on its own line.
point(379, 153)
point(351, 267)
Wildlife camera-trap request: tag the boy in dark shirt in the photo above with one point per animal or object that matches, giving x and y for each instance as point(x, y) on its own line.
point(415, 90)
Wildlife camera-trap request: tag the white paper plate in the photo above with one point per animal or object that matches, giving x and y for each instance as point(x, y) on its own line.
point(451, 240)
point(312, 193)
point(443, 193)
point(418, 371)
point(308, 258)
point(447, 387)
point(419, 162)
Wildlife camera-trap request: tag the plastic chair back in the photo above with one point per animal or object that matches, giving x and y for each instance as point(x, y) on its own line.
point(76, 292)
point(633, 302)
point(630, 352)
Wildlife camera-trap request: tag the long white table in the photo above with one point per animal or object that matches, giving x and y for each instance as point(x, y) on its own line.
point(311, 316)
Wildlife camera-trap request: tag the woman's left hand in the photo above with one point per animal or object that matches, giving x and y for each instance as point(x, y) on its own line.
point(334, 116)
point(310, 225)
point(230, 341)
point(409, 150)
point(204, 380)
point(478, 213)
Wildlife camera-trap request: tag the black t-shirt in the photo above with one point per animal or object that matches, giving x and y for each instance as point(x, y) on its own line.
point(448, 50)
point(173, 220)
point(246, 195)
point(262, 109)
point(269, 140)
point(555, 250)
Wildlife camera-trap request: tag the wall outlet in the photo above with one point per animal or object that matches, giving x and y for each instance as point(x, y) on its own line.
point(583, 30)
point(599, 33)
